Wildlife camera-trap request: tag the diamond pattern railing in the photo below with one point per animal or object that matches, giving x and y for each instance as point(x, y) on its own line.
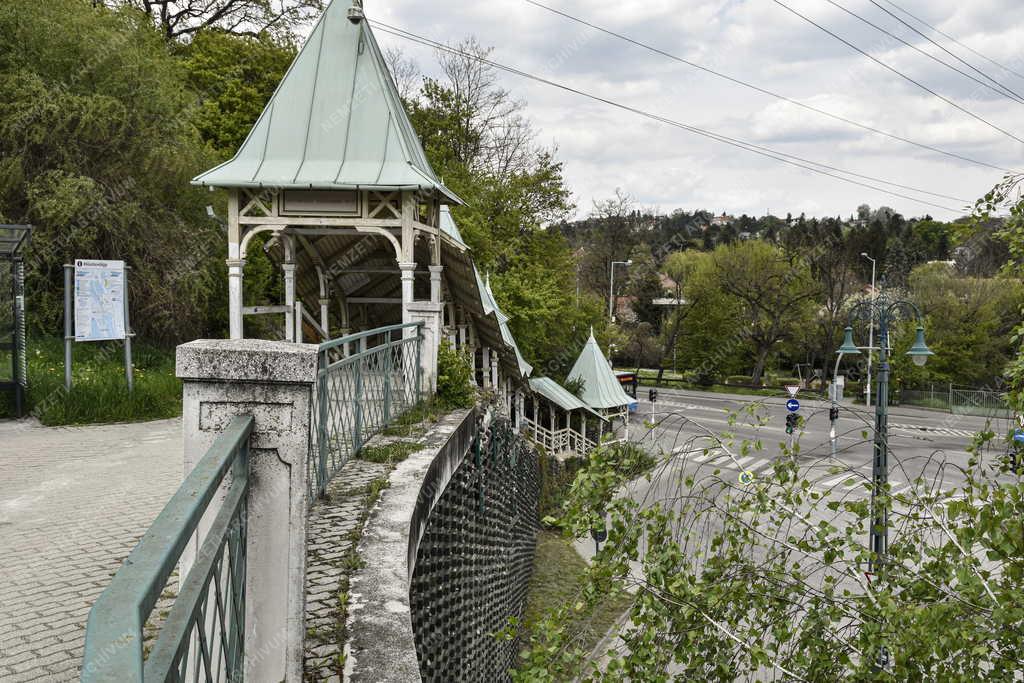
point(365, 382)
point(203, 637)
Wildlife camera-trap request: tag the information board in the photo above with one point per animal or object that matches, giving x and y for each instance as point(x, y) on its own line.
point(99, 300)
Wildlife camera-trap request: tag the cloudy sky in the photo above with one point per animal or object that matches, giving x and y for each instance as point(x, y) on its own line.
point(761, 42)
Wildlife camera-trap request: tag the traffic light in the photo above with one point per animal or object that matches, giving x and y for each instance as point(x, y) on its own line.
point(833, 413)
point(652, 395)
point(791, 421)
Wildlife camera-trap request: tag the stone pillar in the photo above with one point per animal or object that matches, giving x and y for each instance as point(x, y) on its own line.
point(273, 382)
point(486, 369)
point(408, 280)
point(462, 336)
point(494, 371)
point(430, 315)
point(435, 283)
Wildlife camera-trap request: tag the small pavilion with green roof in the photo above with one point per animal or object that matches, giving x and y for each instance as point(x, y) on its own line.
point(334, 174)
point(602, 391)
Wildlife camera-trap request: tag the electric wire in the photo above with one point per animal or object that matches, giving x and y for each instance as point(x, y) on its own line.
point(793, 160)
point(899, 73)
point(770, 93)
point(947, 51)
point(951, 38)
point(1001, 90)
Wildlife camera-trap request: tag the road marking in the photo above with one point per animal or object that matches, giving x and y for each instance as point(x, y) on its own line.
point(842, 478)
point(760, 465)
point(744, 460)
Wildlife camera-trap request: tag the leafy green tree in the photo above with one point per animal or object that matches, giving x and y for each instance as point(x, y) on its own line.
point(968, 321)
point(478, 140)
point(97, 148)
point(774, 294)
point(234, 77)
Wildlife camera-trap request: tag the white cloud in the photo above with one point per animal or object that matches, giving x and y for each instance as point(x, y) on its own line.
point(758, 41)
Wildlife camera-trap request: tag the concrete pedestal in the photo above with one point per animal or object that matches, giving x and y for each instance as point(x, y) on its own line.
point(430, 315)
point(273, 382)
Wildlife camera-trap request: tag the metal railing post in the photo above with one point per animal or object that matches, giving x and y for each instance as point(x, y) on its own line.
point(388, 350)
point(419, 364)
point(357, 412)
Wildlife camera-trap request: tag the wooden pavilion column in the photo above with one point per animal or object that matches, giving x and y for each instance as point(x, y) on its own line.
point(288, 266)
point(235, 263)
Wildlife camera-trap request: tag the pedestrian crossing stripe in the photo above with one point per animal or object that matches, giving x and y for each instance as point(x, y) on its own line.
point(944, 431)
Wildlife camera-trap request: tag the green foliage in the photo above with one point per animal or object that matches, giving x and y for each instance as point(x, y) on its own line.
point(234, 77)
point(99, 392)
point(97, 148)
point(968, 325)
point(455, 387)
point(737, 582)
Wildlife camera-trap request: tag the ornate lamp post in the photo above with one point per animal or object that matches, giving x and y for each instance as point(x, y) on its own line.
point(885, 312)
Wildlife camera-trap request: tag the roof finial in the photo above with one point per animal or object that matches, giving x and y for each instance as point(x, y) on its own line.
point(591, 331)
point(355, 12)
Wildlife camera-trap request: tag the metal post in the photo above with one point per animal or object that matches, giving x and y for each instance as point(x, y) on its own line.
point(871, 330)
point(129, 368)
point(880, 464)
point(69, 330)
point(389, 348)
point(835, 403)
point(357, 367)
point(419, 366)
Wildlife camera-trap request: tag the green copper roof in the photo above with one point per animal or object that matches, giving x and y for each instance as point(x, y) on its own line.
point(336, 121)
point(559, 395)
point(601, 387)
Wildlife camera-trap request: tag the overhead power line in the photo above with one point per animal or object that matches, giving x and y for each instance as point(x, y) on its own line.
point(947, 51)
point(902, 75)
point(793, 160)
point(999, 89)
point(764, 91)
point(951, 38)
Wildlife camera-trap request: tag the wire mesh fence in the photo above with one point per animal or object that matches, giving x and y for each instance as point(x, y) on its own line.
point(365, 382)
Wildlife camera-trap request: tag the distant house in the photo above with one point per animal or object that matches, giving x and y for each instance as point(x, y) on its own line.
point(723, 220)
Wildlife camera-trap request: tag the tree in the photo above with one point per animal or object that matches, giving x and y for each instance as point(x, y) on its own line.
point(765, 580)
point(179, 19)
point(96, 150)
point(774, 293)
point(477, 139)
point(234, 77)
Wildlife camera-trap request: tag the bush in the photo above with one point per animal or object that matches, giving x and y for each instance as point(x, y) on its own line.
point(454, 378)
point(738, 379)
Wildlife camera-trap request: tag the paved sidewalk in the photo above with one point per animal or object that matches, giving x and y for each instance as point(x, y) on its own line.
point(73, 503)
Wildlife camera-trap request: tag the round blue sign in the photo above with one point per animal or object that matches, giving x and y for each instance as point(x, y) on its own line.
point(1018, 435)
point(793, 405)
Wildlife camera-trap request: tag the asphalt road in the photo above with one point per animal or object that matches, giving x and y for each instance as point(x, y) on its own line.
point(700, 436)
point(924, 444)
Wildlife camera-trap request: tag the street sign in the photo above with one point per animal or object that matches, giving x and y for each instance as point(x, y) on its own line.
point(793, 389)
point(746, 477)
point(1018, 436)
point(792, 405)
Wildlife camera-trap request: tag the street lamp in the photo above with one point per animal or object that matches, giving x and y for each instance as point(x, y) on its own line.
point(871, 332)
point(887, 311)
point(611, 287)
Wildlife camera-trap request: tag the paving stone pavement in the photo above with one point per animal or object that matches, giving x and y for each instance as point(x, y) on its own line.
point(335, 524)
point(73, 503)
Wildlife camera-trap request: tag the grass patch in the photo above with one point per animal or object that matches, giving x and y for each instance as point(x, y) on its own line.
point(557, 576)
point(390, 453)
point(414, 422)
point(99, 392)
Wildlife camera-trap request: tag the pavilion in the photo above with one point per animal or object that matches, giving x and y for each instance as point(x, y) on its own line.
point(359, 222)
point(602, 391)
point(549, 419)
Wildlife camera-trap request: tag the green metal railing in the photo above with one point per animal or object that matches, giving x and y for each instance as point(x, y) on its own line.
point(365, 382)
point(203, 636)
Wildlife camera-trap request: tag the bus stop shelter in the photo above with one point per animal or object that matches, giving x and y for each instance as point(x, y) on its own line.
point(13, 365)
